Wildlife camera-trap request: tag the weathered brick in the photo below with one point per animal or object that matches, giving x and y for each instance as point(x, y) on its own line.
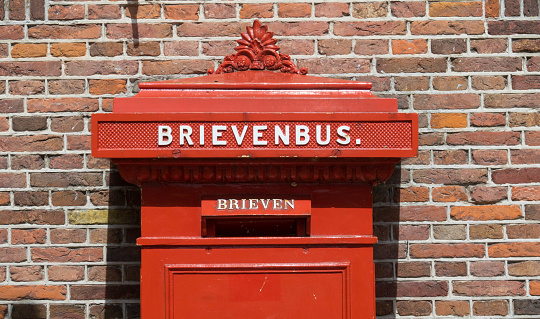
point(508, 27)
point(104, 292)
point(28, 50)
point(448, 120)
point(488, 119)
point(489, 288)
point(495, 82)
point(143, 49)
point(176, 67)
point(487, 268)
point(490, 308)
point(446, 250)
point(449, 83)
point(328, 46)
point(411, 65)
point(104, 12)
point(512, 100)
point(103, 216)
point(31, 143)
point(413, 269)
point(515, 249)
point(408, 9)
point(144, 30)
point(526, 45)
point(67, 311)
point(108, 86)
point(491, 64)
point(484, 138)
point(31, 198)
point(452, 308)
point(331, 9)
point(37, 292)
point(449, 232)
point(524, 268)
point(335, 65)
point(448, 46)
point(450, 176)
point(488, 212)
point(28, 123)
point(182, 12)
point(26, 87)
point(527, 307)
point(526, 156)
point(104, 273)
point(37, 68)
point(68, 49)
point(446, 101)
point(68, 236)
point(411, 232)
point(26, 273)
point(516, 176)
point(485, 194)
point(418, 46)
point(371, 47)
point(34, 311)
point(37, 217)
point(68, 198)
point(525, 82)
point(414, 308)
point(455, 9)
point(523, 231)
point(489, 157)
point(440, 27)
point(218, 48)
point(412, 289)
point(65, 273)
point(12, 254)
point(109, 49)
point(181, 48)
point(449, 194)
point(370, 28)
point(451, 269)
point(486, 232)
point(411, 83)
point(257, 10)
point(143, 11)
point(62, 254)
point(366, 10)
point(294, 10)
point(81, 31)
point(58, 12)
point(66, 179)
point(524, 119)
point(220, 11)
point(11, 32)
point(488, 45)
point(37, 10)
point(533, 64)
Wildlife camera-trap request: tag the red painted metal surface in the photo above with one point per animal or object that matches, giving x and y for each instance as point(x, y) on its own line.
point(212, 153)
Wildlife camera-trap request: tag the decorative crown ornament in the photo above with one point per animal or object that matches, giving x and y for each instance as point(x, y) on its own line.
point(257, 50)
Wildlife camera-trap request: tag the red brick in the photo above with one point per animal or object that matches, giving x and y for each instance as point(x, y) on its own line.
point(483, 138)
point(143, 11)
point(411, 232)
point(449, 83)
point(418, 46)
point(256, 10)
point(448, 46)
point(490, 308)
point(67, 311)
point(181, 48)
point(28, 236)
point(510, 100)
point(488, 46)
point(496, 82)
point(63, 87)
point(307, 28)
point(523, 231)
point(38, 292)
point(449, 194)
point(452, 308)
point(143, 49)
point(81, 31)
point(487, 268)
point(533, 64)
point(516, 176)
point(413, 308)
point(451, 269)
point(413, 269)
point(68, 49)
point(489, 288)
point(440, 27)
point(144, 30)
point(104, 273)
point(182, 12)
point(492, 8)
point(61, 254)
point(455, 9)
point(534, 288)
point(106, 236)
point(66, 179)
point(526, 45)
point(446, 101)
point(37, 68)
point(446, 250)
point(87, 68)
point(411, 83)
point(412, 289)
point(411, 65)
point(488, 212)
point(11, 32)
point(68, 198)
point(104, 12)
point(17, 10)
point(109, 49)
point(31, 198)
point(68, 236)
point(448, 120)
point(490, 64)
point(524, 119)
point(331, 10)
point(27, 123)
point(367, 28)
point(27, 273)
point(30, 143)
point(78, 142)
point(28, 50)
point(530, 8)
point(37, 217)
point(486, 232)
point(508, 27)
point(66, 161)
point(5, 199)
point(327, 46)
point(12, 254)
point(489, 157)
point(524, 269)
point(531, 193)
point(294, 10)
point(525, 82)
point(408, 9)
point(335, 65)
point(485, 194)
point(220, 11)
point(371, 47)
point(58, 12)
point(113, 86)
point(526, 156)
point(66, 273)
point(218, 48)
point(511, 8)
point(532, 138)
point(366, 10)
point(63, 105)
point(26, 87)
point(431, 139)
point(176, 67)
point(450, 176)
point(488, 119)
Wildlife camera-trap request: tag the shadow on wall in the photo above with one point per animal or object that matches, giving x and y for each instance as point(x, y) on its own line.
point(388, 250)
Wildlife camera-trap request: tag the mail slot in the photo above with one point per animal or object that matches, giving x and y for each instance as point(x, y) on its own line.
point(256, 187)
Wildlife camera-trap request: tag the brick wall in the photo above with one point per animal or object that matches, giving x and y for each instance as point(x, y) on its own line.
point(458, 225)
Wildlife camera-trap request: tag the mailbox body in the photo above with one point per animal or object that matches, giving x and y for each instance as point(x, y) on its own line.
point(256, 192)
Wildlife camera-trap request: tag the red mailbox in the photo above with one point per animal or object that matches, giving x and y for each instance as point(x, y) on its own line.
point(256, 187)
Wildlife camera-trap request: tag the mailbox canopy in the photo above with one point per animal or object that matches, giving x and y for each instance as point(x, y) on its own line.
point(255, 114)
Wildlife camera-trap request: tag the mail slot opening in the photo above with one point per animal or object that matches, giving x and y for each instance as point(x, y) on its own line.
point(255, 227)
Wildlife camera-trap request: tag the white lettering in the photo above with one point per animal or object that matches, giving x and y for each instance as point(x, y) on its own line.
point(278, 204)
point(253, 203)
point(284, 137)
point(233, 203)
point(217, 131)
point(264, 203)
point(343, 131)
point(290, 203)
point(319, 140)
point(243, 204)
point(164, 135)
point(201, 135)
point(257, 134)
point(302, 135)
point(222, 204)
point(185, 133)
point(239, 138)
